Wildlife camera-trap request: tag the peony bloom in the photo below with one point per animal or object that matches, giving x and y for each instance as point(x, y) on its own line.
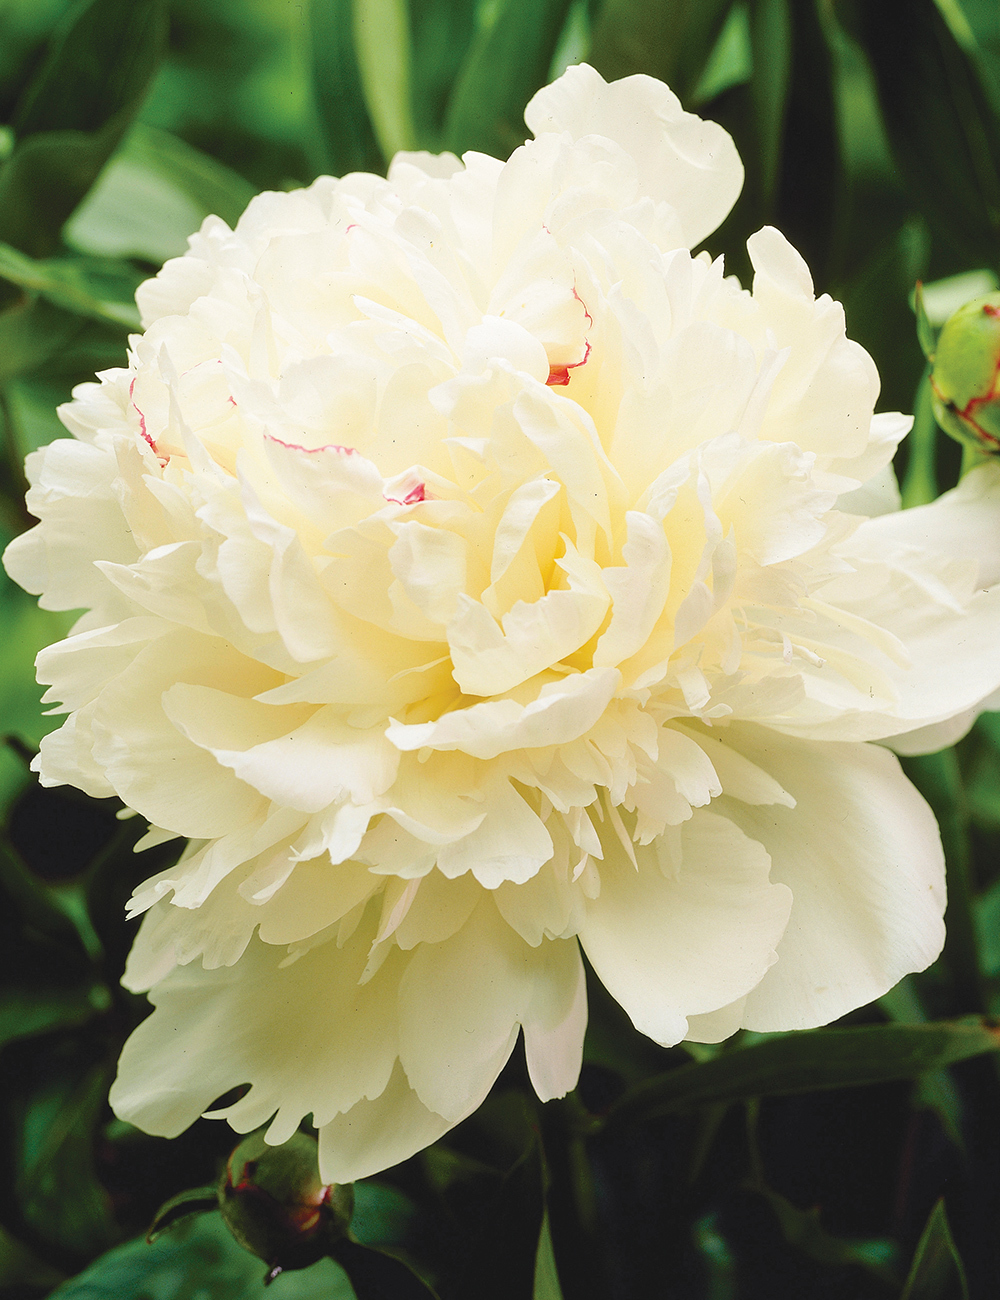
point(474, 577)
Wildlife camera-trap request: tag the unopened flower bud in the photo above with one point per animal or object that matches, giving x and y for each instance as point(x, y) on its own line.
point(277, 1207)
point(965, 378)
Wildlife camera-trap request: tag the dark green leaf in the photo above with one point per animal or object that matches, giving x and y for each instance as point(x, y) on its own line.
point(21, 1267)
point(96, 287)
point(377, 1276)
point(672, 40)
point(803, 1230)
point(939, 779)
point(382, 1215)
point(74, 113)
point(808, 1062)
point(925, 331)
point(936, 1272)
point(345, 127)
point(199, 1260)
point(441, 32)
point(771, 42)
point(30, 330)
point(944, 131)
point(196, 1200)
point(508, 60)
point(55, 1181)
point(155, 192)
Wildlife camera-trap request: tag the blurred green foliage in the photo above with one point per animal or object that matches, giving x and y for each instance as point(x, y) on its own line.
point(810, 1165)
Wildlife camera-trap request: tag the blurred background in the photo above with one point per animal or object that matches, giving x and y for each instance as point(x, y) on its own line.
point(870, 132)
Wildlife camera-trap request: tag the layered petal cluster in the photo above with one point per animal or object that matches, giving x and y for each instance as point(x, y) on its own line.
point(473, 575)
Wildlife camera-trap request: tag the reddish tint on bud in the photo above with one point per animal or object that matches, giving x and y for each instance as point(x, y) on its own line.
point(277, 1207)
point(965, 374)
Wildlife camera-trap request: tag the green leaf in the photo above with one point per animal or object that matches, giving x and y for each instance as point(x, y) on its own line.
point(925, 331)
point(944, 131)
point(731, 61)
point(198, 1260)
point(920, 484)
point(546, 1276)
point(74, 113)
point(939, 779)
point(809, 1061)
point(55, 1181)
point(196, 1200)
point(345, 127)
point(377, 1276)
point(803, 1230)
point(943, 297)
point(771, 43)
point(937, 1272)
point(440, 31)
point(19, 1267)
point(507, 62)
point(382, 44)
point(672, 41)
point(154, 193)
point(100, 288)
point(31, 331)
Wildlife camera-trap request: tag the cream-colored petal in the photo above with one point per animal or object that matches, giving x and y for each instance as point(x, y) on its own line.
point(669, 943)
point(862, 857)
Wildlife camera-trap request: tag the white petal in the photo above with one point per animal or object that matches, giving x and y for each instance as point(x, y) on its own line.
point(461, 1003)
point(378, 1133)
point(690, 164)
point(288, 1031)
point(669, 946)
point(862, 856)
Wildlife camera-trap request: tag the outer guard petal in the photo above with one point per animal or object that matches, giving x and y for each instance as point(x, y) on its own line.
point(672, 944)
point(862, 855)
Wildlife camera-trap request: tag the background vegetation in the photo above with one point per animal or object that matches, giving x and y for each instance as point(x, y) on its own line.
point(828, 1164)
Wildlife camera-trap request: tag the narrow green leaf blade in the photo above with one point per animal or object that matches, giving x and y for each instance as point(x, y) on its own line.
point(345, 127)
point(546, 1277)
point(944, 131)
point(508, 62)
point(671, 41)
point(101, 289)
point(937, 1272)
point(809, 1062)
point(771, 42)
point(382, 42)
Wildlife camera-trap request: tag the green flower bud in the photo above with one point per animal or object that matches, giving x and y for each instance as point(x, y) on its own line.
point(965, 376)
point(276, 1206)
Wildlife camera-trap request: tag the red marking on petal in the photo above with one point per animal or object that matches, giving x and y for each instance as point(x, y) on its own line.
point(328, 446)
point(418, 493)
point(990, 309)
point(559, 376)
point(590, 319)
point(232, 400)
point(142, 423)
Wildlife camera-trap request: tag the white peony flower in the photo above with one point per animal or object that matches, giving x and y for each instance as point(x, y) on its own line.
point(471, 579)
